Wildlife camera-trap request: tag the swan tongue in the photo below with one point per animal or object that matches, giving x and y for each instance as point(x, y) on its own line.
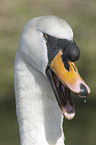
point(62, 94)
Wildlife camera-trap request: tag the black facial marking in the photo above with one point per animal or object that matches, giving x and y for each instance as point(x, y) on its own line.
point(62, 43)
point(65, 61)
point(52, 46)
point(73, 67)
point(69, 49)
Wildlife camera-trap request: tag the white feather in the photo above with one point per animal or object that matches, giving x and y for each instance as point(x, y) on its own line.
point(39, 116)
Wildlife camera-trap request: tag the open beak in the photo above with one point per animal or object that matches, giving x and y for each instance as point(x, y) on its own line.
point(62, 81)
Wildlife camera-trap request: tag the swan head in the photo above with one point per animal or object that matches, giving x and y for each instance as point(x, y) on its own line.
point(47, 44)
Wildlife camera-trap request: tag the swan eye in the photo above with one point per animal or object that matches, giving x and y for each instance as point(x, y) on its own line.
point(46, 36)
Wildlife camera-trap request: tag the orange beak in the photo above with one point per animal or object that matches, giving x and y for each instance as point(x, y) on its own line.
point(70, 78)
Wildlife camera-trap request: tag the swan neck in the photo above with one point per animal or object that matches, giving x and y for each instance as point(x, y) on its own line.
point(39, 117)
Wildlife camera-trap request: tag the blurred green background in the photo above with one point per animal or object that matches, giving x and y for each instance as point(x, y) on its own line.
point(81, 15)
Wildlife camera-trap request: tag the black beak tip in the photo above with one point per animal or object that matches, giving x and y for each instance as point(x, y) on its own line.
point(83, 91)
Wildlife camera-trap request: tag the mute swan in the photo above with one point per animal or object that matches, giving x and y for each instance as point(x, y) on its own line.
point(45, 72)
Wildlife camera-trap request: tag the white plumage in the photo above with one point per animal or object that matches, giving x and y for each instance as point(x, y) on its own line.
point(39, 116)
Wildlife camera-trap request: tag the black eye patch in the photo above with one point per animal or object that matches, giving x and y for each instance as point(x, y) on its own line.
point(52, 41)
point(52, 47)
point(69, 48)
point(63, 43)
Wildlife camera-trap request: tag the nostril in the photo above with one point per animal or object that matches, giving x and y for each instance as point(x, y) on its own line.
point(83, 90)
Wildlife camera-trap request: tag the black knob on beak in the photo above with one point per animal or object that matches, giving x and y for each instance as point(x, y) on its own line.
point(72, 51)
point(83, 90)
